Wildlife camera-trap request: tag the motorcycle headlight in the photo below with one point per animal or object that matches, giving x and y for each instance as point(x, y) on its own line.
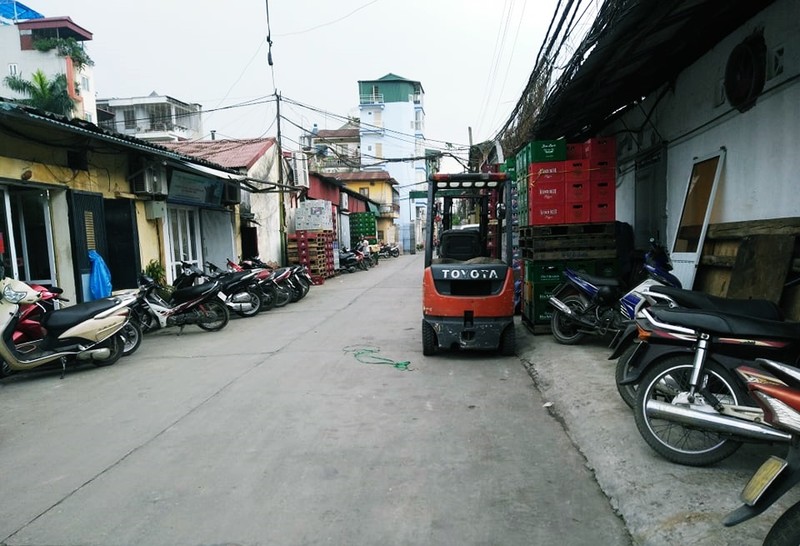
point(13, 296)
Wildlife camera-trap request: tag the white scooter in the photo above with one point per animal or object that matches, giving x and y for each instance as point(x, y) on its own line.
point(82, 332)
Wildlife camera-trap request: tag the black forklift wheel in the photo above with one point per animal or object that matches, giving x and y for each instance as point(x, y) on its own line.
point(429, 344)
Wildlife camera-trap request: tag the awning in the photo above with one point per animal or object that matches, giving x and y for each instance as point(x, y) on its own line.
point(373, 208)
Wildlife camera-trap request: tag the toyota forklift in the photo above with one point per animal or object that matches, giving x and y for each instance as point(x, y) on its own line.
point(468, 283)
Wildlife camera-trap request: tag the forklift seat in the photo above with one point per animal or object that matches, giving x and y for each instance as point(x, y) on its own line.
point(460, 244)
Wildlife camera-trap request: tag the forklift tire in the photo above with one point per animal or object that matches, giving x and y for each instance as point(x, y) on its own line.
point(508, 341)
point(428, 339)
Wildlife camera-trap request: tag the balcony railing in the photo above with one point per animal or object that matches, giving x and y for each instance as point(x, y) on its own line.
point(389, 211)
point(372, 98)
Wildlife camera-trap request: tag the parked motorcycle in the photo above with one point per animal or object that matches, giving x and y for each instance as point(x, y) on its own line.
point(630, 351)
point(780, 402)
point(690, 406)
point(83, 332)
point(30, 328)
point(349, 261)
point(388, 250)
point(237, 288)
point(589, 305)
point(198, 304)
point(300, 280)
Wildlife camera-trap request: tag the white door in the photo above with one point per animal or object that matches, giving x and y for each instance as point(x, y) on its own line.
point(697, 205)
point(216, 228)
point(183, 241)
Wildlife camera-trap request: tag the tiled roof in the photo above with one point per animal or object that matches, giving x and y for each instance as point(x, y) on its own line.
point(234, 154)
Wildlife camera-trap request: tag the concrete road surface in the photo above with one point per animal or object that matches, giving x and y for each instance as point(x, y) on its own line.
point(281, 430)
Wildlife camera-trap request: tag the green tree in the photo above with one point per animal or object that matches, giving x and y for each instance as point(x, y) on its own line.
point(43, 93)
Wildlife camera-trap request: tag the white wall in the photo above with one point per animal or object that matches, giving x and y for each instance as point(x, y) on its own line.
point(760, 175)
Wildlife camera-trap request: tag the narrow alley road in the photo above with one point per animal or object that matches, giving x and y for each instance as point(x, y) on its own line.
point(279, 430)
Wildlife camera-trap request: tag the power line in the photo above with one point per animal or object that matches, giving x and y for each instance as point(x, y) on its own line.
point(329, 23)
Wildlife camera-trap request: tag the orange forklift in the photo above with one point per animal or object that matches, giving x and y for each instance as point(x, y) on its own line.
point(468, 283)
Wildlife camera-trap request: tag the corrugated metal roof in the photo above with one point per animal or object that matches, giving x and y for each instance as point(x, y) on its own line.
point(363, 175)
point(234, 154)
point(337, 133)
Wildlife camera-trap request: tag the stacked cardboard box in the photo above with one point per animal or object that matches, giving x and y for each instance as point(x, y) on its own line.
point(314, 215)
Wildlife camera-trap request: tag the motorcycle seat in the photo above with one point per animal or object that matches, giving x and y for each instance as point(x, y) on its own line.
point(699, 300)
point(595, 280)
point(190, 292)
point(63, 319)
point(727, 324)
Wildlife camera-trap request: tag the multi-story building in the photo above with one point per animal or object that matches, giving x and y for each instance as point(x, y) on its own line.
point(155, 118)
point(335, 150)
point(392, 137)
point(30, 41)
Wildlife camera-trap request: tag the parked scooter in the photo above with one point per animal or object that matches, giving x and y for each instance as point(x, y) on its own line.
point(630, 351)
point(237, 288)
point(30, 328)
point(690, 406)
point(388, 250)
point(349, 261)
point(197, 304)
point(300, 280)
point(586, 304)
point(779, 397)
point(83, 332)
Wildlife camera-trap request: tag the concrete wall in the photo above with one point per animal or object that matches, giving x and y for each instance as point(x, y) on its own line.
point(759, 178)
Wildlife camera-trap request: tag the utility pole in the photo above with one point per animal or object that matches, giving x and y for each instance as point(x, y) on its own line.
point(282, 201)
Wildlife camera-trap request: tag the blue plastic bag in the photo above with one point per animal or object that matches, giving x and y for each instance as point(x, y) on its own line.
point(100, 277)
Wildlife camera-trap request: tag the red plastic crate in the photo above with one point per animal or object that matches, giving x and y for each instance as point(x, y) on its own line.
point(603, 191)
point(600, 148)
point(578, 192)
point(577, 213)
point(576, 150)
point(603, 212)
point(550, 171)
point(540, 214)
point(576, 170)
point(546, 191)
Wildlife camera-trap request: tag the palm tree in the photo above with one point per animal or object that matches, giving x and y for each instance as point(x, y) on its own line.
point(43, 93)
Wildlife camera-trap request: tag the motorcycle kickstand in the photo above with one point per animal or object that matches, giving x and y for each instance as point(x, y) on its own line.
point(63, 366)
point(180, 331)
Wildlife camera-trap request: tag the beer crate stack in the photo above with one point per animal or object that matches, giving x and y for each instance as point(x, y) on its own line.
point(362, 224)
point(513, 212)
point(313, 249)
point(571, 214)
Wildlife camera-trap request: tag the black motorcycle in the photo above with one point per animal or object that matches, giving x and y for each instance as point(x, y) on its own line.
point(158, 306)
point(691, 407)
point(239, 288)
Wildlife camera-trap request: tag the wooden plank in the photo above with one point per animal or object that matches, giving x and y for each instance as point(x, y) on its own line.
point(718, 261)
point(738, 230)
point(761, 266)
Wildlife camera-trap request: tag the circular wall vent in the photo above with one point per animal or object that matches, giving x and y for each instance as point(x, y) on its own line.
point(746, 72)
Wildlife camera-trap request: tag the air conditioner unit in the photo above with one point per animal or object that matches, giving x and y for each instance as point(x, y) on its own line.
point(231, 193)
point(300, 168)
point(151, 179)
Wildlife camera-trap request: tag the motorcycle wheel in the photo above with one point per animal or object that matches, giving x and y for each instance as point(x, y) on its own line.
point(252, 308)
point(395, 253)
point(682, 444)
point(429, 344)
point(268, 296)
point(626, 392)
point(283, 297)
point(116, 345)
point(786, 529)
point(216, 316)
point(564, 330)
point(131, 335)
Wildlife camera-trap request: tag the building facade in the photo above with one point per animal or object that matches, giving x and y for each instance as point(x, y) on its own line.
point(392, 129)
point(155, 118)
point(30, 42)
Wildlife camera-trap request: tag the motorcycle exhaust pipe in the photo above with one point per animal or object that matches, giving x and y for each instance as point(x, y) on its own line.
point(715, 422)
point(564, 308)
point(95, 354)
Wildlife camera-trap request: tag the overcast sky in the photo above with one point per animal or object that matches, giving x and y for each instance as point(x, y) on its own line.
point(473, 57)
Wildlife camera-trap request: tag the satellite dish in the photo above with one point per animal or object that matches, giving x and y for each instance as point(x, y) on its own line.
point(746, 72)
